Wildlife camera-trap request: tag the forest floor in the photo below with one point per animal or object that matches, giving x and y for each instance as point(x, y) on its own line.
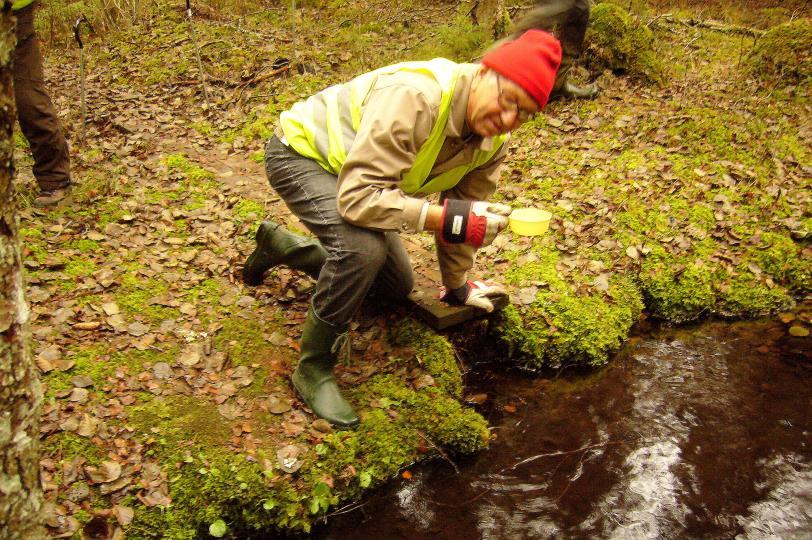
point(167, 405)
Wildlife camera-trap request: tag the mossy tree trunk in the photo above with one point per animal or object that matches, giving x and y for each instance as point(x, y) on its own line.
point(20, 395)
point(492, 16)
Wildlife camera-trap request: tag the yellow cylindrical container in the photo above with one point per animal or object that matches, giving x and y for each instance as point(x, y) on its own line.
point(530, 221)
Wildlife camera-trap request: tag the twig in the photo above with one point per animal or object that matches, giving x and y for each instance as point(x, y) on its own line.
point(267, 76)
point(558, 453)
point(439, 451)
point(346, 509)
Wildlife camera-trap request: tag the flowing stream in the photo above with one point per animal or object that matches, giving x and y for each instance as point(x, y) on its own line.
point(703, 431)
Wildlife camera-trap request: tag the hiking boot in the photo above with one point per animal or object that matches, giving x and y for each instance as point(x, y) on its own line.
point(563, 88)
point(277, 245)
point(313, 378)
point(589, 91)
point(51, 197)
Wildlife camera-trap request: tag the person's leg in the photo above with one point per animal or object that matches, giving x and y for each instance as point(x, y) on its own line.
point(568, 21)
point(396, 279)
point(38, 120)
point(276, 245)
point(354, 258)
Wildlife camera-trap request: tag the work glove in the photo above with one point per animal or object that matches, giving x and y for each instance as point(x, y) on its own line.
point(473, 223)
point(479, 294)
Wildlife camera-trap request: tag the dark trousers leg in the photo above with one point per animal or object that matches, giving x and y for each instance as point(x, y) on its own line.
point(38, 120)
point(357, 258)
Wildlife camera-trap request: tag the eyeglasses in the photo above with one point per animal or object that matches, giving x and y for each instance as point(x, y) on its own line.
point(512, 105)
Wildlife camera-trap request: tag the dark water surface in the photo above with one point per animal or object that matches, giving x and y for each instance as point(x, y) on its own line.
point(693, 432)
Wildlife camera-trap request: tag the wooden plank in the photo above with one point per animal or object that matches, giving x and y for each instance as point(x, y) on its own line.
point(440, 315)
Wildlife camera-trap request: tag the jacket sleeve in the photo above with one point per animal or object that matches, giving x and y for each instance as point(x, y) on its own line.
point(455, 260)
point(396, 121)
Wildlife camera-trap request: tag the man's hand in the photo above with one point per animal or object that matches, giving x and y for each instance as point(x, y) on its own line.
point(479, 294)
point(473, 223)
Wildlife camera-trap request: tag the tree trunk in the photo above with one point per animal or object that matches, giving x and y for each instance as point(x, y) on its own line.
point(20, 394)
point(492, 16)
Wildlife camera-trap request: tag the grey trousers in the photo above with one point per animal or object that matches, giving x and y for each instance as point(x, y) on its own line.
point(359, 261)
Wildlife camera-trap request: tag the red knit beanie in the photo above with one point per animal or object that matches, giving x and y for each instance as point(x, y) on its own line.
point(531, 61)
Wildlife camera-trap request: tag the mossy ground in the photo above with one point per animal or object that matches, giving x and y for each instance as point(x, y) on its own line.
point(686, 199)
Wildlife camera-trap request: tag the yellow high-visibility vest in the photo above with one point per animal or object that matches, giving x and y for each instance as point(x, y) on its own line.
point(323, 127)
point(20, 4)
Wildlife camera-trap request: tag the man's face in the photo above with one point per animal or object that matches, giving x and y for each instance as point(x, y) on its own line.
point(497, 105)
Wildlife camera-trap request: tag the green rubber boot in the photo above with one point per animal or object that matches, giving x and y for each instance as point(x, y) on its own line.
point(277, 245)
point(313, 377)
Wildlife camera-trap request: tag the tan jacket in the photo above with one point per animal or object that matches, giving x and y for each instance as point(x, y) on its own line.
point(398, 115)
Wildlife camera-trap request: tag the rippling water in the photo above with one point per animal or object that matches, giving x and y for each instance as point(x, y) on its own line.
point(698, 432)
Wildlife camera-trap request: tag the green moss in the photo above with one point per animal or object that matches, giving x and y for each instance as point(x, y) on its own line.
point(620, 42)
point(783, 259)
point(178, 420)
point(259, 124)
point(208, 484)
point(433, 352)
point(248, 210)
point(65, 446)
point(677, 289)
point(207, 292)
point(244, 339)
point(203, 127)
point(79, 268)
point(193, 172)
point(84, 245)
point(746, 296)
point(562, 325)
point(135, 296)
point(90, 360)
point(460, 40)
point(441, 418)
point(783, 55)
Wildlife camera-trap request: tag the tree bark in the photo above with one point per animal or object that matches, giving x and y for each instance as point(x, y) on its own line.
point(20, 393)
point(492, 16)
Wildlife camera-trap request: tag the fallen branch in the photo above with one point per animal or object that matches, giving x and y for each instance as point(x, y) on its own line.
point(710, 24)
point(260, 78)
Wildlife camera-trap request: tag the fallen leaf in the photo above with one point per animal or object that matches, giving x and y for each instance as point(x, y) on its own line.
point(81, 381)
point(601, 282)
point(123, 514)
point(111, 308)
point(162, 370)
point(78, 395)
point(786, 318)
point(190, 355)
point(137, 329)
point(229, 411)
point(476, 399)
point(798, 330)
point(87, 426)
point(108, 471)
point(288, 457)
point(322, 425)
point(92, 325)
point(117, 322)
point(155, 498)
point(278, 406)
